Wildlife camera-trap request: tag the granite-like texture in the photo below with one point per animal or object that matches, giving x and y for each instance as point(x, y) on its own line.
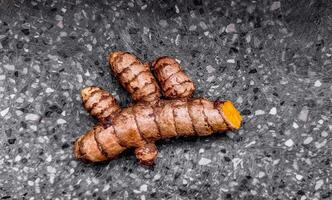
point(272, 58)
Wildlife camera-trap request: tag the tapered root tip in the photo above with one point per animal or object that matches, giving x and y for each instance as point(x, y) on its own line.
point(231, 114)
point(87, 91)
point(147, 154)
point(113, 56)
point(77, 151)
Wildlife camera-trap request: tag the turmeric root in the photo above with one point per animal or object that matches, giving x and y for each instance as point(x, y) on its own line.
point(150, 119)
point(173, 81)
point(99, 103)
point(134, 76)
point(151, 122)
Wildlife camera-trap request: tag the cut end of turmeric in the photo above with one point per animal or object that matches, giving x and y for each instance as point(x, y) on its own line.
point(231, 114)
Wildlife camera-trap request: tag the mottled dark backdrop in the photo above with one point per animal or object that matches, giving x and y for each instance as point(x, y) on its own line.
point(272, 58)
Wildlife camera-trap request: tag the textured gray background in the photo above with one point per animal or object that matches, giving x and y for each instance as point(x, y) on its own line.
point(273, 59)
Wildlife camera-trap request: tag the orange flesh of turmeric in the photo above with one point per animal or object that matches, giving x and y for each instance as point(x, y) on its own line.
point(231, 114)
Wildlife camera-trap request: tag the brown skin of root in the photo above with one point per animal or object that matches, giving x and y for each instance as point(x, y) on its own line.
point(134, 76)
point(90, 149)
point(146, 154)
point(109, 143)
point(173, 81)
point(99, 103)
point(86, 92)
point(183, 122)
point(112, 56)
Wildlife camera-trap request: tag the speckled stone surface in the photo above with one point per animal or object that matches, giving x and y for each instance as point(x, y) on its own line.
point(273, 59)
